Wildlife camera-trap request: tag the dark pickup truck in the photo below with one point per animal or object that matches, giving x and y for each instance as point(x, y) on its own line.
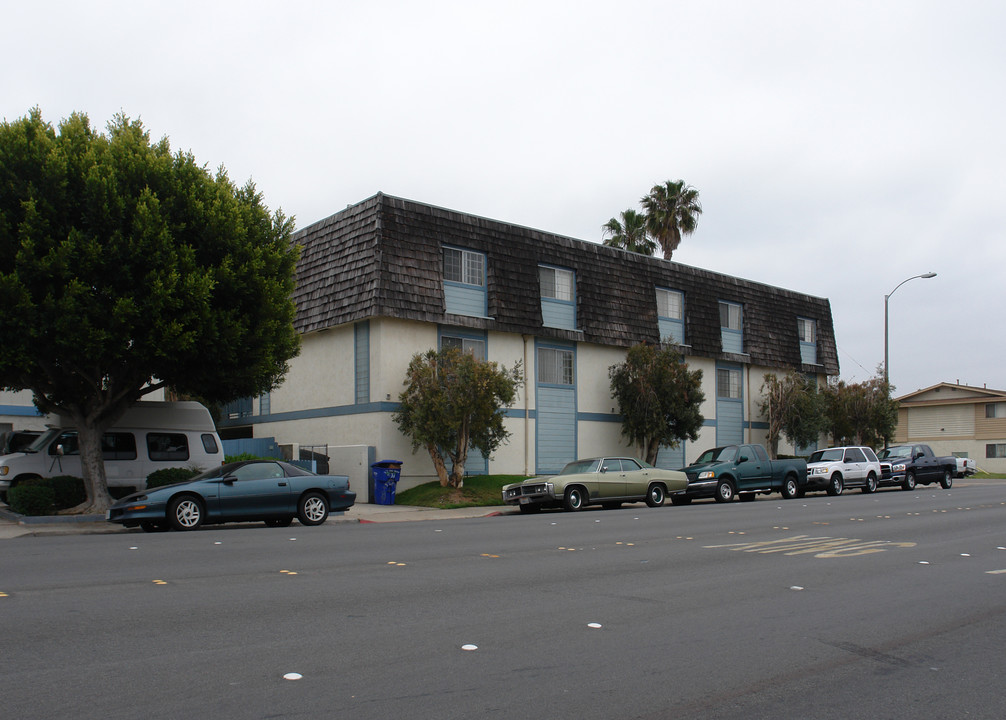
point(743, 470)
point(908, 465)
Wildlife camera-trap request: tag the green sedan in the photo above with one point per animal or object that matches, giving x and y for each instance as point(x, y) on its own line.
point(605, 481)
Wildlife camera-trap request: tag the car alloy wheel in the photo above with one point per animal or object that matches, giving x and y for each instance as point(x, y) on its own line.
point(947, 482)
point(185, 513)
point(790, 488)
point(312, 509)
point(724, 491)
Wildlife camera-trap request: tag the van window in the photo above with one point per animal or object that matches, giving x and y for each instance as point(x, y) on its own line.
point(210, 444)
point(114, 445)
point(167, 446)
point(118, 446)
point(68, 442)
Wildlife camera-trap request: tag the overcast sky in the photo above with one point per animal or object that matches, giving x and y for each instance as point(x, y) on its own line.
point(838, 148)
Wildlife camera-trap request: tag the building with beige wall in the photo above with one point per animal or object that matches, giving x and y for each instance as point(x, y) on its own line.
point(388, 278)
point(957, 420)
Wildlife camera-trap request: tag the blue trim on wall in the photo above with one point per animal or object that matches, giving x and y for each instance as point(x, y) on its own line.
point(339, 411)
point(21, 410)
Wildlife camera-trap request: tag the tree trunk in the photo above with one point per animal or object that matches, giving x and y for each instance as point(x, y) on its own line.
point(438, 463)
point(92, 467)
point(652, 450)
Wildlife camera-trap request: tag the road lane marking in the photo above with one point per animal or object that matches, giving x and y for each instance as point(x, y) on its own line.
point(822, 547)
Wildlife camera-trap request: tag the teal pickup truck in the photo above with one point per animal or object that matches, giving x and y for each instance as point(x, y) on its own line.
point(745, 470)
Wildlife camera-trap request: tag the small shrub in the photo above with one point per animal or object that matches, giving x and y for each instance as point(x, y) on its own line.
point(247, 456)
point(68, 491)
point(31, 497)
point(170, 476)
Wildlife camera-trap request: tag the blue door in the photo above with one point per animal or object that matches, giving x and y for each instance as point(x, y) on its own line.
point(555, 408)
point(729, 405)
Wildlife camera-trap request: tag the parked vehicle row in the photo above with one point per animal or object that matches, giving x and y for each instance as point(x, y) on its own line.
point(723, 473)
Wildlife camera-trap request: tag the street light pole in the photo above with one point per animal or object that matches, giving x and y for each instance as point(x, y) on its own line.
point(887, 297)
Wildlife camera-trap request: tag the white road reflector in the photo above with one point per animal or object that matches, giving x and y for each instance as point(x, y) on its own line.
point(594, 626)
point(995, 572)
point(292, 676)
point(469, 647)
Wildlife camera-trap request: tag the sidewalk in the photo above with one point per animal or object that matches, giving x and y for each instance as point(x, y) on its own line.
point(13, 525)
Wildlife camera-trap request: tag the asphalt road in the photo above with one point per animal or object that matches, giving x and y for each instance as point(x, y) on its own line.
point(864, 606)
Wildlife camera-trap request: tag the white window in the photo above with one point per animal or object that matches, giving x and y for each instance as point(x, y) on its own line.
point(730, 316)
point(995, 410)
point(464, 266)
point(556, 284)
point(555, 366)
point(807, 330)
point(728, 383)
point(670, 304)
point(473, 346)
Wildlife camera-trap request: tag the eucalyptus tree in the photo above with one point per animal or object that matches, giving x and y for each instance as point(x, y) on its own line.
point(453, 402)
point(658, 397)
point(125, 269)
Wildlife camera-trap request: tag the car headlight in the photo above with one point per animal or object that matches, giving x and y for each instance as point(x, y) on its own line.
point(707, 475)
point(819, 471)
point(900, 467)
point(4, 470)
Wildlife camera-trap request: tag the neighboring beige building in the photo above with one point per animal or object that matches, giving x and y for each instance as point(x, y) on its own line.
point(957, 420)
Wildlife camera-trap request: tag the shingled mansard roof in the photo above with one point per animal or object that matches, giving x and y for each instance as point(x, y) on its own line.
point(384, 258)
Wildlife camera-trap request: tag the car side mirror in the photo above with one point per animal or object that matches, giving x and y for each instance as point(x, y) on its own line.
point(604, 468)
point(743, 459)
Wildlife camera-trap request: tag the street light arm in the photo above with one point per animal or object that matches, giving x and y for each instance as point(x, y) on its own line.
point(913, 277)
point(887, 376)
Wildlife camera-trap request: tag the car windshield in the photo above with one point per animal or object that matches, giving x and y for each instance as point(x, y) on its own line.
point(580, 466)
point(831, 454)
point(721, 454)
point(898, 451)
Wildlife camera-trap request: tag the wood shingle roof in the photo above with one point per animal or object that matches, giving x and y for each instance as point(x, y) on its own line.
point(384, 258)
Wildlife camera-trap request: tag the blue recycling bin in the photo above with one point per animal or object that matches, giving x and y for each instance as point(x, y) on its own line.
point(385, 474)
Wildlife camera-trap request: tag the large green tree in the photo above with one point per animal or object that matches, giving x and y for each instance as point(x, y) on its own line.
point(659, 398)
point(672, 210)
point(861, 413)
point(793, 408)
point(126, 268)
point(452, 402)
point(629, 233)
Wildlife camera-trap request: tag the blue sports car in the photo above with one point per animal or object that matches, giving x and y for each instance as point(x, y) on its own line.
point(268, 490)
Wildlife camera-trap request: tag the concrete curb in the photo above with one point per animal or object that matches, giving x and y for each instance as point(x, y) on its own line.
point(15, 525)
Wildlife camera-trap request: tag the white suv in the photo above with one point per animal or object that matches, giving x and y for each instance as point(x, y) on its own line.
point(838, 468)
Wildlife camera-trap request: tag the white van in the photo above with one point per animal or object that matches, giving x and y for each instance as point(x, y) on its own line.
point(151, 435)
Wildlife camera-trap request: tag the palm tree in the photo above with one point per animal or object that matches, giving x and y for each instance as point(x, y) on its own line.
point(672, 210)
point(629, 233)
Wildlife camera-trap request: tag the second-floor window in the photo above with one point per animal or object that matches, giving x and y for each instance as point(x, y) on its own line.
point(464, 266)
point(558, 297)
point(671, 315)
point(995, 410)
point(732, 327)
point(465, 282)
point(807, 329)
